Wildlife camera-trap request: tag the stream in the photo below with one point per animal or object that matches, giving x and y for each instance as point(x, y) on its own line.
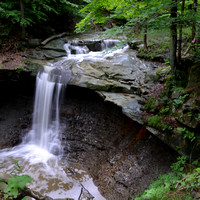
point(83, 142)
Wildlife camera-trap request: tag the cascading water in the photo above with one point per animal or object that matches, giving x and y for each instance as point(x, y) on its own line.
point(108, 44)
point(45, 128)
point(39, 155)
point(40, 152)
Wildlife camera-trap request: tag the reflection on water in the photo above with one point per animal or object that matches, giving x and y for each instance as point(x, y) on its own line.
point(51, 176)
point(40, 153)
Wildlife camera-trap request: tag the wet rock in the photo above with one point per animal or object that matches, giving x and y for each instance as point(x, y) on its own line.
point(46, 54)
point(16, 111)
point(122, 74)
point(176, 94)
point(175, 141)
point(56, 45)
point(93, 45)
point(130, 104)
point(104, 140)
point(53, 49)
point(51, 54)
point(135, 44)
point(36, 54)
point(188, 114)
point(85, 195)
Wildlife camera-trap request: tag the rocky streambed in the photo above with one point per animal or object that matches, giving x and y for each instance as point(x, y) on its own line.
point(118, 153)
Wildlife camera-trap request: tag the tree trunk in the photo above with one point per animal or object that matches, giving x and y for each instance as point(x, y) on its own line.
point(173, 29)
point(22, 18)
point(145, 35)
point(194, 20)
point(180, 33)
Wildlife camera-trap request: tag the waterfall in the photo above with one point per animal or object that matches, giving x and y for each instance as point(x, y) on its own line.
point(40, 153)
point(73, 47)
point(45, 128)
point(105, 44)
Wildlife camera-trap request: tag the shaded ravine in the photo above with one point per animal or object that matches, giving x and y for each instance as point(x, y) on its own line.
point(98, 137)
point(119, 154)
point(39, 154)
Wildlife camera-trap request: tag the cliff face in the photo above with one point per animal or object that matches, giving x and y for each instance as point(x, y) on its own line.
point(124, 80)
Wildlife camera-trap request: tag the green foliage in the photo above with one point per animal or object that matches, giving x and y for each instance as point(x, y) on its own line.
point(177, 185)
point(191, 180)
point(16, 170)
point(151, 104)
point(165, 110)
point(197, 116)
point(179, 166)
point(156, 122)
point(169, 81)
point(178, 102)
point(163, 71)
point(114, 32)
point(158, 47)
point(15, 183)
point(187, 134)
point(159, 188)
point(35, 12)
point(20, 68)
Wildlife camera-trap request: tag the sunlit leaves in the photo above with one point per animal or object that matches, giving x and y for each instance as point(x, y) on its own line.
point(154, 13)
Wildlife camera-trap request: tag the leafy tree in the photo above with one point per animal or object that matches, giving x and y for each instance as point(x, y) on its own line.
point(26, 13)
point(144, 15)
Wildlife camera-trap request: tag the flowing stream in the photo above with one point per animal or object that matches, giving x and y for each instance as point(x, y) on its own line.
point(40, 152)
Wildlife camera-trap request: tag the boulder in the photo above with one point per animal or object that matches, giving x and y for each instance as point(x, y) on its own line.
point(32, 43)
point(135, 44)
point(56, 45)
point(194, 79)
point(189, 113)
point(53, 49)
point(130, 104)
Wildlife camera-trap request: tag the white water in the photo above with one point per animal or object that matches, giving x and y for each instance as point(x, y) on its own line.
point(94, 56)
point(39, 155)
point(45, 128)
point(36, 153)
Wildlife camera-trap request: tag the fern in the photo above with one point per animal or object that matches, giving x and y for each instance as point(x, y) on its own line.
point(159, 188)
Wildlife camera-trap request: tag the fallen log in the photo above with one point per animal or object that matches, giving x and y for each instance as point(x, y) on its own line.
point(53, 37)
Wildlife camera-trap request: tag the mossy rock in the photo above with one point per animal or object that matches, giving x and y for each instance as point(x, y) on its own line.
point(194, 79)
point(98, 87)
point(135, 44)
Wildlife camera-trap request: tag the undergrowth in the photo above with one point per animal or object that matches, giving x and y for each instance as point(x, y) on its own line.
point(15, 184)
point(182, 183)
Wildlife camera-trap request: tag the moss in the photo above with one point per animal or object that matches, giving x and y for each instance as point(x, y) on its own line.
point(157, 51)
point(156, 122)
point(98, 87)
point(20, 68)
